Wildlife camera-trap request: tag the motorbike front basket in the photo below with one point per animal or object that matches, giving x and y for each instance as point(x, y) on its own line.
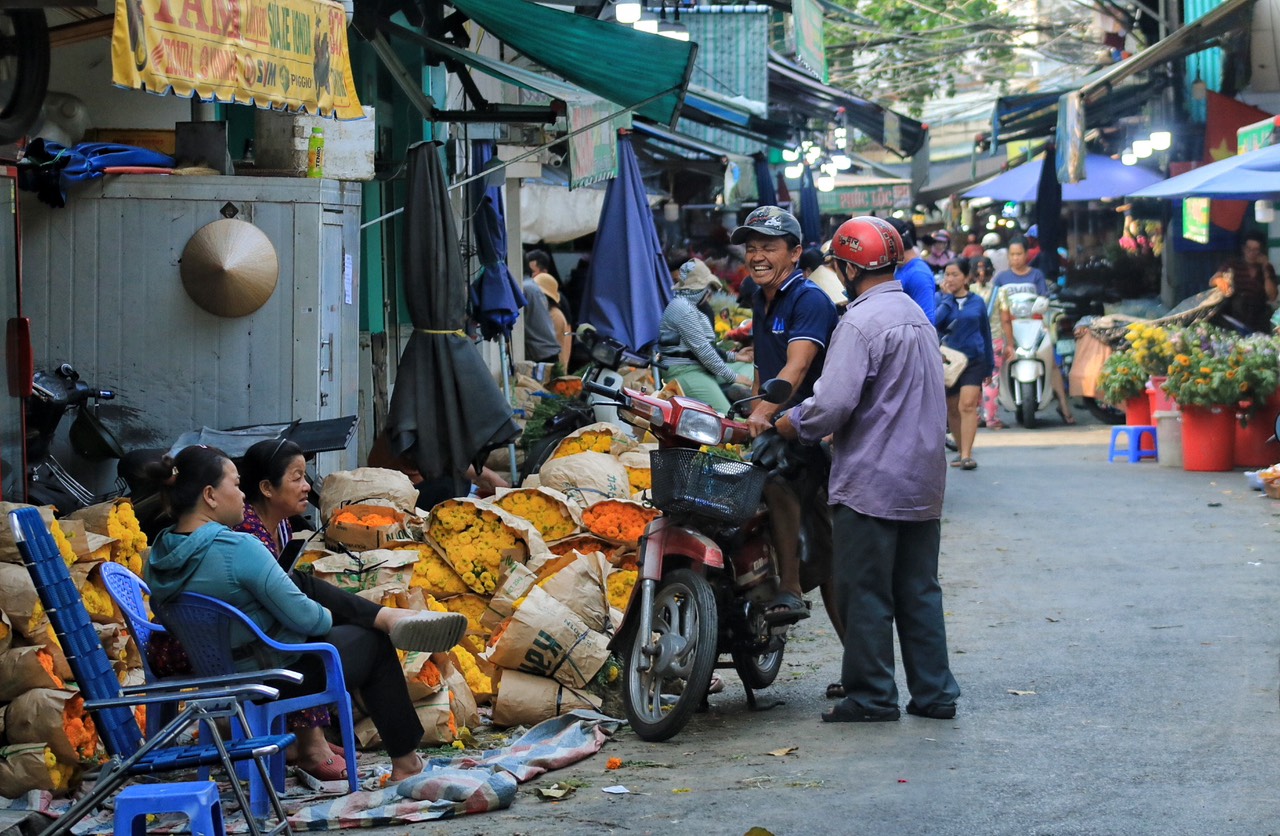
point(91, 439)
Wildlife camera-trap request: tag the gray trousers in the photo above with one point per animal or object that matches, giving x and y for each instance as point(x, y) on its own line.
point(886, 572)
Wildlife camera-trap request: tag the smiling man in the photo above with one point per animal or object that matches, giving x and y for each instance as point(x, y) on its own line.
point(792, 321)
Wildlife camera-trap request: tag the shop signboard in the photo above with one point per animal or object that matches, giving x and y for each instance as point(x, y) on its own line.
point(861, 199)
point(278, 54)
point(1258, 135)
point(593, 153)
point(1195, 219)
point(806, 18)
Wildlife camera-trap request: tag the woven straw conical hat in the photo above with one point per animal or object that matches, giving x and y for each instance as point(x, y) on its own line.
point(229, 268)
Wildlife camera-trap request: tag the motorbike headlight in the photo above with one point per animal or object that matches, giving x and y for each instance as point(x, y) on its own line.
point(701, 427)
point(1021, 308)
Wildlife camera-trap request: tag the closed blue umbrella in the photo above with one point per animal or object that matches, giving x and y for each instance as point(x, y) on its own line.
point(1049, 217)
point(496, 297)
point(628, 285)
point(810, 220)
point(768, 196)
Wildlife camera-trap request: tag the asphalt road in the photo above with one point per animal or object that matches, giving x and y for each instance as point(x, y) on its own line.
point(1132, 609)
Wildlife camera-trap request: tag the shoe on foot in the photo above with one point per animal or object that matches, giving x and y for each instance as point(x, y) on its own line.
point(846, 712)
point(935, 711)
point(429, 632)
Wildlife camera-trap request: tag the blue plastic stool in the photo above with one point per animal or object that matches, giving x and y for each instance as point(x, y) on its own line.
point(1133, 435)
point(197, 800)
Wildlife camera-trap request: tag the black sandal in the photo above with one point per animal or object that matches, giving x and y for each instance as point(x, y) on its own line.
point(787, 608)
point(835, 691)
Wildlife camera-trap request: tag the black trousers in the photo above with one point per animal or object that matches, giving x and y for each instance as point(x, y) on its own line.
point(370, 665)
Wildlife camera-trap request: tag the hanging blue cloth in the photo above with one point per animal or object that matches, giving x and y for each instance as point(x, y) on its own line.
point(628, 285)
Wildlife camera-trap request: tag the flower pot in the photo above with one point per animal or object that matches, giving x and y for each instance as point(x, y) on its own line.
point(1208, 438)
point(1251, 446)
point(1160, 399)
point(1137, 413)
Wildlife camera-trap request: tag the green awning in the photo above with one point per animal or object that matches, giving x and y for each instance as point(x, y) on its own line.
point(629, 68)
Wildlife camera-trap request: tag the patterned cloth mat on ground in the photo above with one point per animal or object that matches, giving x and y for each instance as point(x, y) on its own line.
point(469, 783)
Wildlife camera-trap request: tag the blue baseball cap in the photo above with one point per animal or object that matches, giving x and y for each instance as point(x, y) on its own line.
point(767, 220)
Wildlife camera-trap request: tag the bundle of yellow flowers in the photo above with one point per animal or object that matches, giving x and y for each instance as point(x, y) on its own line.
point(475, 539)
point(64, 545)
point(1150, 347)
point(592, 441)
point(641, 478)
point(541, 507)
point(621, 584)
point(117, 521)
point(481, 683)
point(98, 601)
point(432, 573)
point(618, 519)
point(473, 607)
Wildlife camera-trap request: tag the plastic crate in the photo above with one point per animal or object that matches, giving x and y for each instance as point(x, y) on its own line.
point(690, 482)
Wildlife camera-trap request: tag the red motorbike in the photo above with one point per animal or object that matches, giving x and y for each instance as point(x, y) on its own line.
point(706, 565)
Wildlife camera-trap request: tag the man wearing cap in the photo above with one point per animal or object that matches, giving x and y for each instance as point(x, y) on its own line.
point(792, 320)
point(993, 248)
point(687, 340)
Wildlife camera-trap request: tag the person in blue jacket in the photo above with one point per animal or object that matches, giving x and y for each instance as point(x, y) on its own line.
point(914, 272)
point(963, 325)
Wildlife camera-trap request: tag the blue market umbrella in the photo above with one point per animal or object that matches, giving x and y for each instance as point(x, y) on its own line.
point(1251, 176)
point(496, 296)
point(810, 220)
point(446, 411)
point(1104, 178)
point(628, 284)
point(767, 195)
point(1049, 195)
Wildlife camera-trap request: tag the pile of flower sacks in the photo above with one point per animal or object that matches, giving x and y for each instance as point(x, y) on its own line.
point(542, 573)
point(46, 738)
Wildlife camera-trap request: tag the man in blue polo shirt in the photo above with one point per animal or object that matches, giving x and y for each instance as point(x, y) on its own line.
point(792, 321)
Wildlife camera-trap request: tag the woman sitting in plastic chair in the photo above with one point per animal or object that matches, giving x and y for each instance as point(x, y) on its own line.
point(200, 553)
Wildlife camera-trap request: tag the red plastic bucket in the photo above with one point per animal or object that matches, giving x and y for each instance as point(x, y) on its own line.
point(1137, 413)
point(1208, 438)
point(1160, 399)
point(1251, 446)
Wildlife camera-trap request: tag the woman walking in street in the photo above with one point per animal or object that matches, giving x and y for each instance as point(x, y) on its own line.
point(984, 286)
point(963, 325)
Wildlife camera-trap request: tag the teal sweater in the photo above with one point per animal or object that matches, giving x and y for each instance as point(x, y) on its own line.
point(234, 567)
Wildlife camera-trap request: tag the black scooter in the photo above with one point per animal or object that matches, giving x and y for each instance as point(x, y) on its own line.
point(53, 395)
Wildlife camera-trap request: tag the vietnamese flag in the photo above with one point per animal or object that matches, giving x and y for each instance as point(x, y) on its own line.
point(1224, 116)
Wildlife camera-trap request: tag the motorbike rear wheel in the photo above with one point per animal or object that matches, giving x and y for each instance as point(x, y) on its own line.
point(758, 671)
point(24, 70)
point(1027, 410)
point(667, 673)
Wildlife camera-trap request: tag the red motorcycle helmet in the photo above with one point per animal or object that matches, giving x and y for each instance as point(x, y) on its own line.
point(869, 243)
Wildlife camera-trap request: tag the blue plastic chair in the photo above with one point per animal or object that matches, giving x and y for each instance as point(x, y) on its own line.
point(111, 706)
point(127, 589)
point(205, 625)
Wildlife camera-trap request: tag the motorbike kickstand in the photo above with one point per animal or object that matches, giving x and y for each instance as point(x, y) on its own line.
point(755, 705)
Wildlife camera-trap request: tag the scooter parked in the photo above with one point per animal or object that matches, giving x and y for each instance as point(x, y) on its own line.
point(706, 566)
point(1024, 380)
point(53, 395)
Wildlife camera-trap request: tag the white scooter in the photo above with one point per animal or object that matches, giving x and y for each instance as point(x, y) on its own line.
point(1024, 380)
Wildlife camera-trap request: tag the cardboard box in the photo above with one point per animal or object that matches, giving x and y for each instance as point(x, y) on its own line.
point(281, 140)
point(360, 538)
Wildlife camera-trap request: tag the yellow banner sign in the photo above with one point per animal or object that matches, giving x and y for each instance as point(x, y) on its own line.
point(278, 54)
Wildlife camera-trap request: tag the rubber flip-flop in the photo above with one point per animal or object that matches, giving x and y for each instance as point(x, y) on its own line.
point(957, 461)
point(787, 608)
point(333, 769)
point(835, 691)
point(842, 712)
point(429, 632)
point(968, 464)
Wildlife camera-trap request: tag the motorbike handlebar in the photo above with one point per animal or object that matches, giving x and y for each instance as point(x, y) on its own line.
point(600, 389)
point(104, 395)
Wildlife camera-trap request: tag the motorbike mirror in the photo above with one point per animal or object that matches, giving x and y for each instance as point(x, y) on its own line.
point(775, 390)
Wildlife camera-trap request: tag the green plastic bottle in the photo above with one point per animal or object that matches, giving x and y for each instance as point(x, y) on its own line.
point(315, 153)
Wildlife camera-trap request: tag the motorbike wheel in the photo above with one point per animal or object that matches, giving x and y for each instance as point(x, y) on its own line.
point(758, 671)
point(24, 70)
point(667, 673)
point(1027, 411)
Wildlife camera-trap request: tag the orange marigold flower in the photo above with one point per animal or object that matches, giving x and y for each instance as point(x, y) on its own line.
point(614, 763)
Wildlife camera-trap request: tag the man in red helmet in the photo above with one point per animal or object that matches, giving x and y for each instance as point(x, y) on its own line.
point(883, 401)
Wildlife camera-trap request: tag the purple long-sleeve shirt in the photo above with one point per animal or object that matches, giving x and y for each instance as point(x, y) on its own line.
point(882, 398)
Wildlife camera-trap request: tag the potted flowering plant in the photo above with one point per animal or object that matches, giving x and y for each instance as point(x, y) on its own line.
point(1121, 378)
point(1212, 371)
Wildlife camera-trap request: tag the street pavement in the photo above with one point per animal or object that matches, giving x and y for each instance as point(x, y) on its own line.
point(1112, 626)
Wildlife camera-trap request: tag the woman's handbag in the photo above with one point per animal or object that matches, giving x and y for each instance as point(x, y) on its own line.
point(953, 365)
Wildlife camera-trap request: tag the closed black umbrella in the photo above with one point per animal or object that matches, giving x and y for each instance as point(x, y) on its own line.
point(1049, 216)
point(446, 410)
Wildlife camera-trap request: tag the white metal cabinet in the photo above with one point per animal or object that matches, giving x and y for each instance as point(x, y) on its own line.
point(104, 293)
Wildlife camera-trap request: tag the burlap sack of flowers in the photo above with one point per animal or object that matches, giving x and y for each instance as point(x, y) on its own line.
point(619, 520)
point(513, 584)
point(478, 673)
point(639, 470)
point(546, 638)
point(442, 711)
point(473, 607)
point(621, 584)
point(525, 699)
point(421, 675)
point(6, 632)
point(551, 512)
point(578, 581)
point(55, 718)
point(432, 573)
point(588, 543)
point(586, 478)
point(474, 536)
point(8, 549)
point(120, 649)
point(595, 438)
point(365, 570)
point(115, 519)
point(33, 766)
point(367, 486)
point(101, 607)
point(100, 548)
point(387, 595)
point(24, 668)
point(22, 604)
